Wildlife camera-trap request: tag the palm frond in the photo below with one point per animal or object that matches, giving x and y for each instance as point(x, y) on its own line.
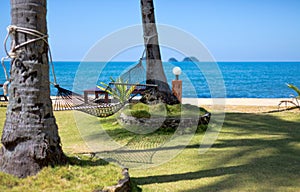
point(294, 88)
point(105, 87)
point(121, 91)
point(112, 79)
point(130, 90)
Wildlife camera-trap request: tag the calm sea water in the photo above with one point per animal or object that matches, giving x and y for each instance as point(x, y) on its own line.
point(203, 80)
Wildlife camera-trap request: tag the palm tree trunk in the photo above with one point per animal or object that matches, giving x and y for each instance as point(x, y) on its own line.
point(155, 72)
point(30, 136)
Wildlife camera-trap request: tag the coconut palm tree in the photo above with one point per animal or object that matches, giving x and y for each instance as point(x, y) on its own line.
point(30, 136)
point(155, 72)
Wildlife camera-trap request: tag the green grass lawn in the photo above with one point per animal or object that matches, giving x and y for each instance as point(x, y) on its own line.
point(254, 152)
point(81, 174)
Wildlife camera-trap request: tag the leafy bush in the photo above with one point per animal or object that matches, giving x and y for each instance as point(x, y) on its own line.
point(140, 114)
point(185, 110)
point(139, 106)
point(161, 109)
point(158, 110)
point(174, 109)
point(158, 107)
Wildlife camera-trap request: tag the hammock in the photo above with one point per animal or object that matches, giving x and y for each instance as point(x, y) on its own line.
point(68, 100)
point(135, 74)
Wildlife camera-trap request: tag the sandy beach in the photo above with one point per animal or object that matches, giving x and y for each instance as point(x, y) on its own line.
point(235, 101)
point(248, 105)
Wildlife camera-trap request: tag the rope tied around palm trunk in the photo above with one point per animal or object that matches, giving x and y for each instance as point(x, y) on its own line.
point(138, 70)
point(147, 38)
point(12, 31)
point(69, 100)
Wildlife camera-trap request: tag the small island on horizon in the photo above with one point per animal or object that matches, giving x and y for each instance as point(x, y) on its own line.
point(186, 59)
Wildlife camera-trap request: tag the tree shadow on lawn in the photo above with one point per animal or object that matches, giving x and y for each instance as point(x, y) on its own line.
point(259, 151)
point(86, 161)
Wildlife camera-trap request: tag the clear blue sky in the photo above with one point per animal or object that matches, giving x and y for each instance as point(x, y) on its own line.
point(233, 30)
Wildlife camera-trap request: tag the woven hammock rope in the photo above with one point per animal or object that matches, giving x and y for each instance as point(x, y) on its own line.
point(98, 110)
point(66, 99)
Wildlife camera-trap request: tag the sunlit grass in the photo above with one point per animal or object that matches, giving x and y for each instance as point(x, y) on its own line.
point(254, 152)
point(83, 173)
point(71, 139)
point(80, 175)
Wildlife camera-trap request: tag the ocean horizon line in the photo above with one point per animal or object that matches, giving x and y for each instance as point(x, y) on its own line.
point(240, 79)
point(255, 61)
point(226, 61)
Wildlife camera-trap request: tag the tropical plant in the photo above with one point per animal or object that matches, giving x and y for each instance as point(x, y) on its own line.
point(295, 99)
point(297, 90)
point(30, 135)
point(121, 91)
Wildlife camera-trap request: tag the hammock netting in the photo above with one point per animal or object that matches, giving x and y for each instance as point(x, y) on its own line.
point(68, 100)
point(136, 74)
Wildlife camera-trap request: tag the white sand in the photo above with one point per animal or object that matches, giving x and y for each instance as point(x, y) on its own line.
point(235, 101)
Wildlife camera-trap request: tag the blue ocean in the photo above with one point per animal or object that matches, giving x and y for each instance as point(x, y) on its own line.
point(202, 80)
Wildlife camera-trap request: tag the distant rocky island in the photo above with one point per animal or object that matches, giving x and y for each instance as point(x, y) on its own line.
point(186, 59)
point(190, 59)
point(172, 60)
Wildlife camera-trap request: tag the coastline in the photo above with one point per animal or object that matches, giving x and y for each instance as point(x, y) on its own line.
point(241, 105)
point(229, 101)
point(235, 101)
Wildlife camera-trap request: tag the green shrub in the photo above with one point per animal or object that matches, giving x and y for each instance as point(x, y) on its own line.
point(174, 109)
point(161, 109)
point(158, 110)
point(140, 114)
point(139, 106)
point(158, 107)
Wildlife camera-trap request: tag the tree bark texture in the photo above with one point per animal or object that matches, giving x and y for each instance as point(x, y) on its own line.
point(30, 136)
point(154, 63)
point(155, 71)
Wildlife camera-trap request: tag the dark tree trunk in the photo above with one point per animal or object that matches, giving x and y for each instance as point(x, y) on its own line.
point(30, 137)
point(155, 72)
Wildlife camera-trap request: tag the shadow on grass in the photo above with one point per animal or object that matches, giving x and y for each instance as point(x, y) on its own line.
point(117, 131)
point(250, 135)
point(86, 161)
point(284, 109)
